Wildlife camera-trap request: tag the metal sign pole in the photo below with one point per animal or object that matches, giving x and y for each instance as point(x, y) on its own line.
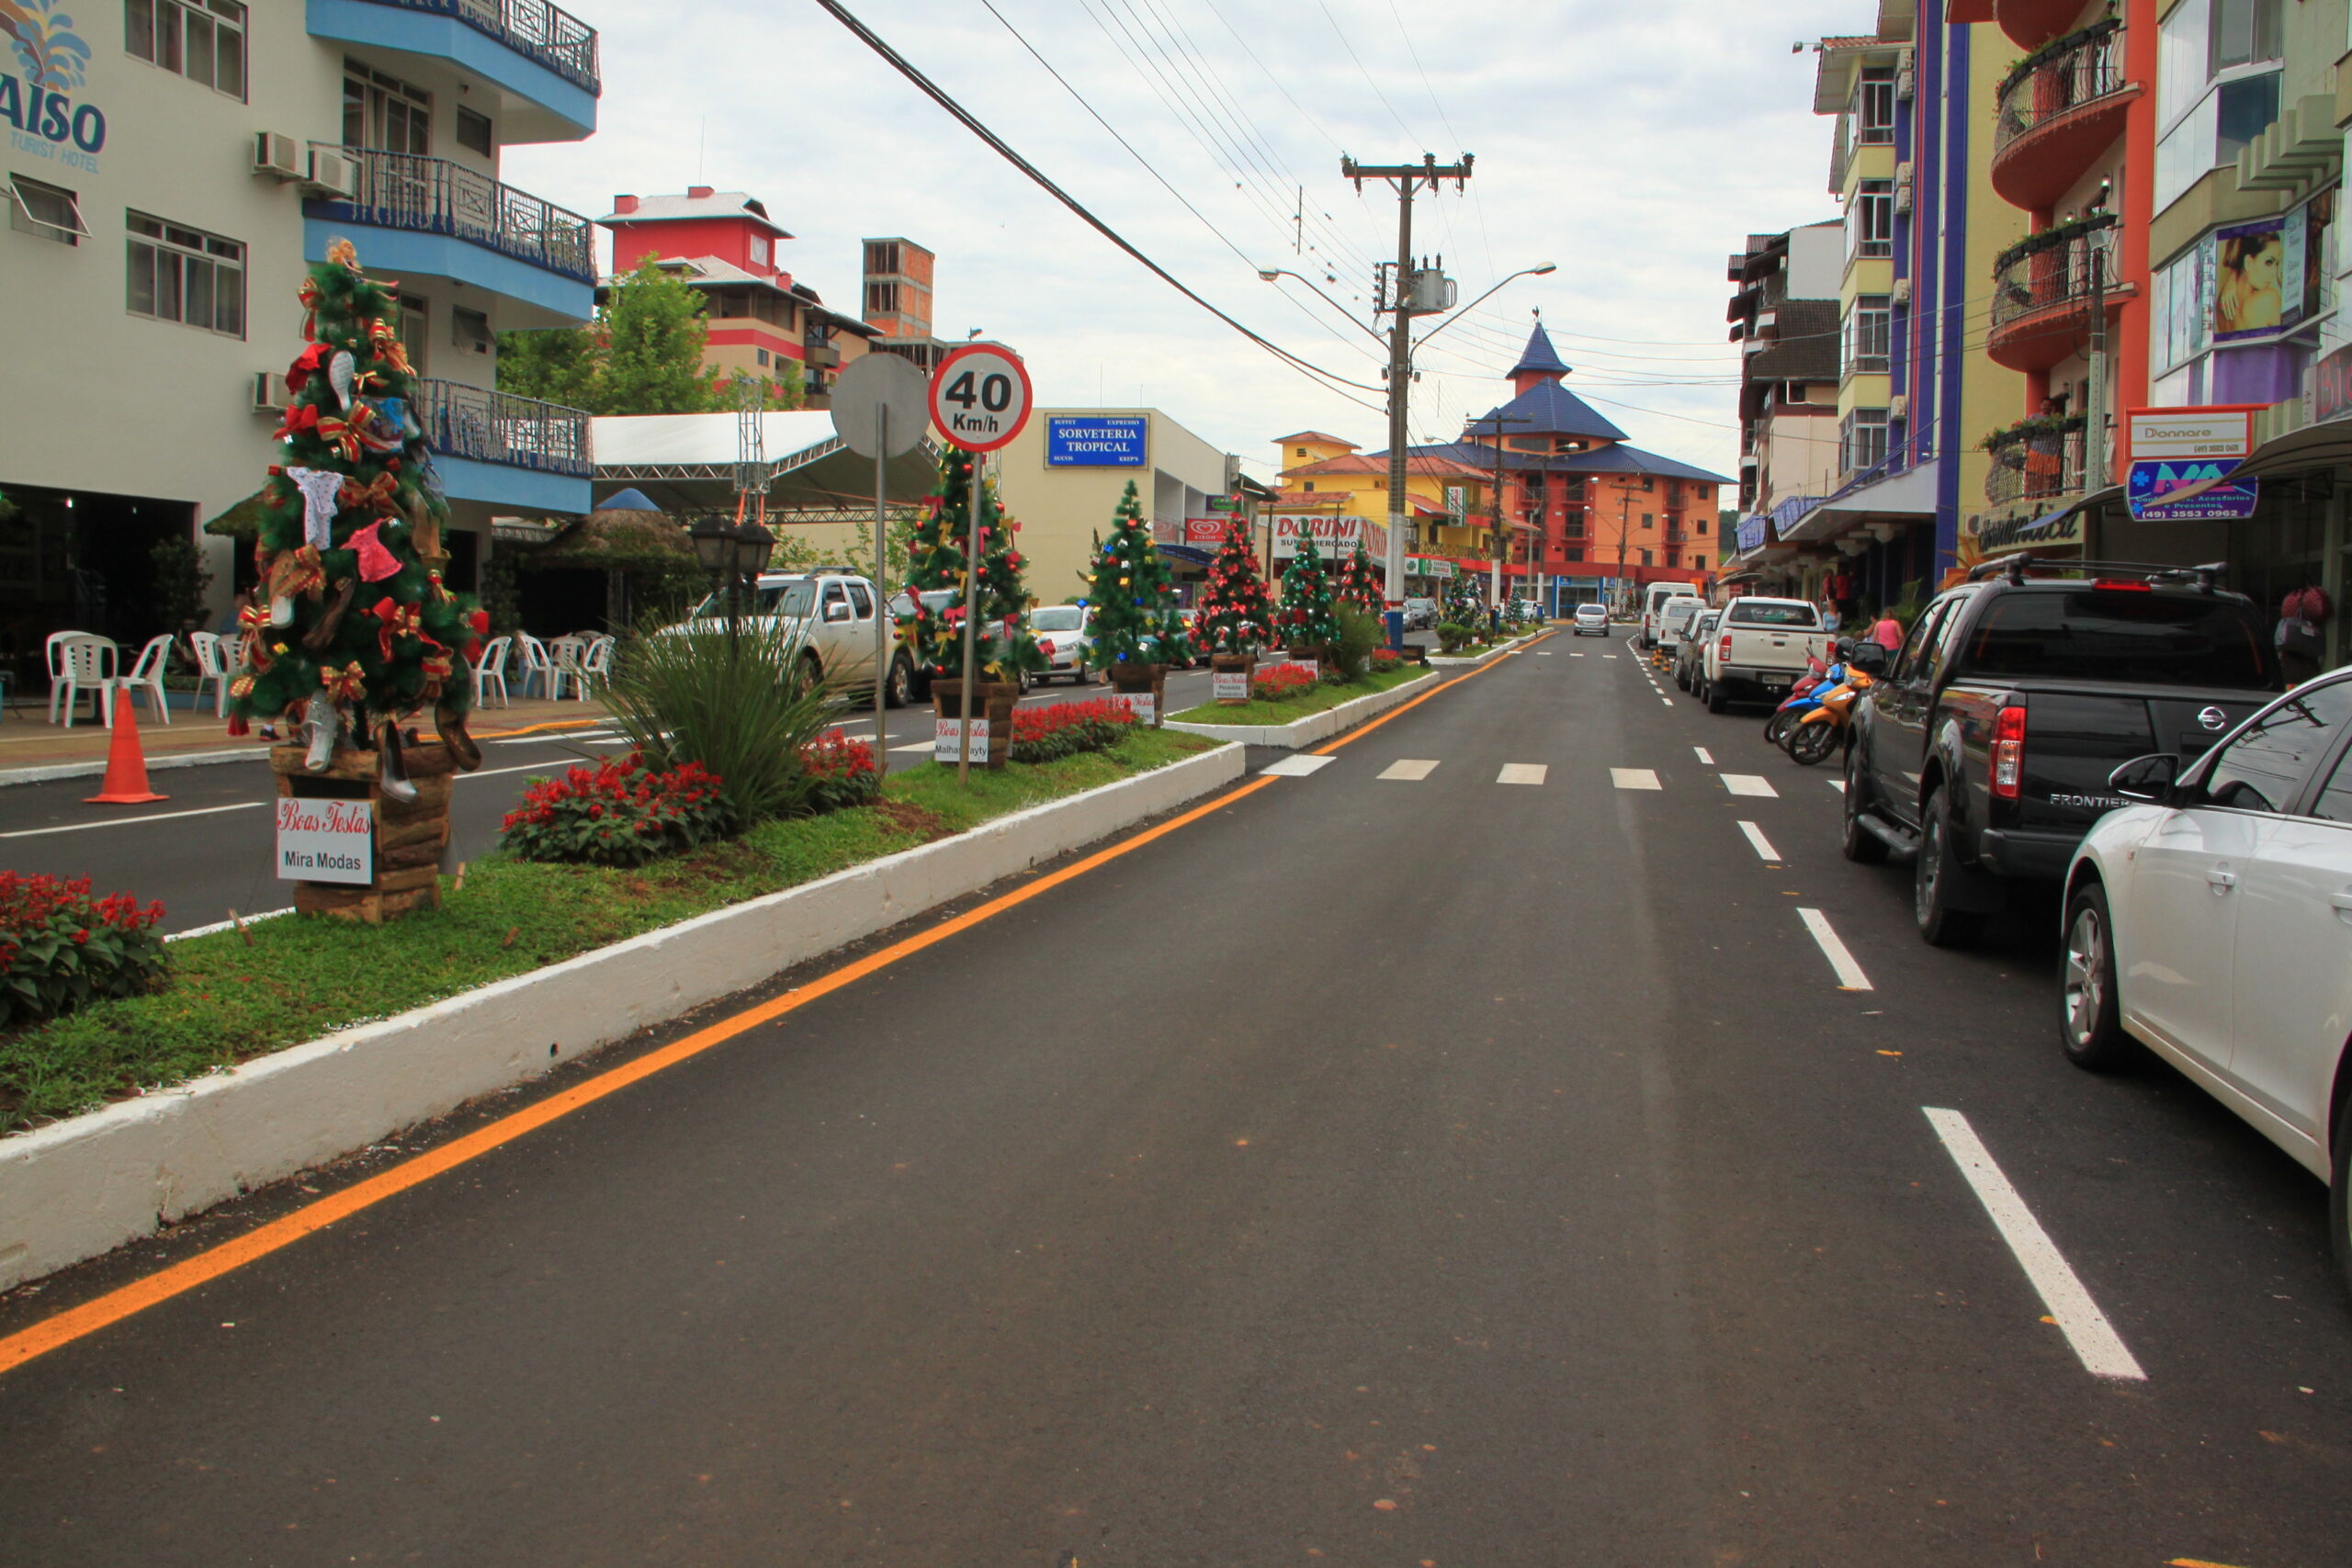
point(971, 628)
point(882, 628)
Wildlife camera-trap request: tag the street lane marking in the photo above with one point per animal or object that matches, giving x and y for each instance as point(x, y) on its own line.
point(521, 768)
point(1633, 778)
point(218, 926)
point(127, 1301)
point(557, 739)
point(1576, 656)
point(1295, 767)
point(1838, 785)
point(1667, 701)
point(916, 746)
point(1544, 653)
point(126, 821)
point(1608, 656)
point(1749, 783)
point(2094, 1339)
point(1523, 773)
point(1763, 845)
point(1704, 755)
point(1850, 974)
point(1409, 769)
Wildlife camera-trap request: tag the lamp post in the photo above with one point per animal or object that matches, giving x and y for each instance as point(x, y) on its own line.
point(731, 554)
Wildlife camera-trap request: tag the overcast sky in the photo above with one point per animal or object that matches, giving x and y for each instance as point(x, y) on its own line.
point(1635, 146)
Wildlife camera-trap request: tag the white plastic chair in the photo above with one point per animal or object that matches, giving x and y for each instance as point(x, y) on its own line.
point(597, 663)
point(147, 675)
point(79, 660)
point(565, 653)
point(211, 664)
point(536, 666)
point(490, 670)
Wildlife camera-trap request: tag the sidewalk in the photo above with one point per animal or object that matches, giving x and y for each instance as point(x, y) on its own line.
point(33, 749)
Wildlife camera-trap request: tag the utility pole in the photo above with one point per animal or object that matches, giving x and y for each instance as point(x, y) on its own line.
point(1407, 179)
point(2095, 416)
point(1624, 527)
point(1495, 494)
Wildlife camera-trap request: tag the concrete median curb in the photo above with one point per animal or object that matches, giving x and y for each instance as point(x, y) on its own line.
point(1451, 661)
point(83, 1185)
point(1315, 726)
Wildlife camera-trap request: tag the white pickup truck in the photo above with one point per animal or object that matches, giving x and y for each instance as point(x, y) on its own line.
point(1759, 650)
point(834, 612)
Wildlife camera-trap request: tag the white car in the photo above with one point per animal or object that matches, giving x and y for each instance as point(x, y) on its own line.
point(833, 612)
point(1654, 599)
point(1591, 619)
point(1759, 650)
point(1062, 636)
point(2213, 926)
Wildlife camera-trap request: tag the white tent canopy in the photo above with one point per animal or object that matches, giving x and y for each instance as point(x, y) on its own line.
point(685, 463)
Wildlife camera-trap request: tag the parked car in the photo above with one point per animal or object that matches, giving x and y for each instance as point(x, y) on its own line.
point(833, 613)
point(1654, 601)
point(902, 604)
point(1690, 647)
point(1984, 749)
point(1421, 615)
point(1675, 619)
point(2212, 925)
point(1591, 618)
point(1062, 636)
point(1760, 648)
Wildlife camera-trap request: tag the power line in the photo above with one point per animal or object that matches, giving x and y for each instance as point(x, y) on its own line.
point(971, 122)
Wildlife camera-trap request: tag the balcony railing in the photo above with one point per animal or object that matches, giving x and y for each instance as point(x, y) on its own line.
point(400, 190)
point(2079, 69)
point(499, 427)
point(2053, 268)
point(554, 38)
point(2040, 459)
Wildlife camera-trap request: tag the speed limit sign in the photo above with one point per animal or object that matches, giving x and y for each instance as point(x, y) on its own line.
point(980, 397)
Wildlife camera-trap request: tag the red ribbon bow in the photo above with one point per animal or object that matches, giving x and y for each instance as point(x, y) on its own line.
point(342, 685)
point(302, 417)
point(335, 432)
point(396, 621)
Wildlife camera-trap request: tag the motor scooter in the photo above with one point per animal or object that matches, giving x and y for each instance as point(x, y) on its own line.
point(1818, 733)
point(1799, 702)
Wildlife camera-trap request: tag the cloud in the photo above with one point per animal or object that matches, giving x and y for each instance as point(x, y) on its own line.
point(1634, 146)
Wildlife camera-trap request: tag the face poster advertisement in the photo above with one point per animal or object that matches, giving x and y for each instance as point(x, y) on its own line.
point(2249, 279)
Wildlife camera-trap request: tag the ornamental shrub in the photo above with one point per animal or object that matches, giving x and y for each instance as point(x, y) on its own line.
point(842, 772)
point(1053, 730)
point(1452, 636)
point(617, 813)
point(1276, 681)
point(1360, 633)
point(60, 948)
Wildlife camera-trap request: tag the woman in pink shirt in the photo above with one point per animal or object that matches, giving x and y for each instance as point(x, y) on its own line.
point(1887, 633)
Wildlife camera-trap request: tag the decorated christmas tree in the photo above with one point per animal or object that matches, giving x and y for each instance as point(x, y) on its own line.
point(1135, 618)
point(1307, 617)
point(1362, 583)
point(1237, 613)
point(937, 559)
point(354, 631)
point(1462, 605)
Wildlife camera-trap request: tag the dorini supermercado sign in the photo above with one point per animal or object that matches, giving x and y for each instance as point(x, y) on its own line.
point(1333, 536)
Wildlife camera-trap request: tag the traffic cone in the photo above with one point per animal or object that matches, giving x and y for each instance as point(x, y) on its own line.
point(125, 780)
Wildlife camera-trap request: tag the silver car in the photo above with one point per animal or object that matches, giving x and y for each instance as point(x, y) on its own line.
point(1690, 649)
point(1591, 618)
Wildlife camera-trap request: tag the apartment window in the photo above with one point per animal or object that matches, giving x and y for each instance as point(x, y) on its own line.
point(1870, 226)
point(2217, 73)
point(882, 256)
point(185, 274)
point(1862, 440)
point(1700, 527)
point(1310, 484)
point(203, 40)
point(763, 356)
point(415, 317)
point(1867, 326)
point(385, 112)
point(46, 211)
point(1645, 558)
point(1698, 563)
point(1649, 481)
point(1875, 105)
point(759, 249)
point(1573, 552)
point(469, 330)
point(1646, 520)
point(475, 132)
point(881, 299)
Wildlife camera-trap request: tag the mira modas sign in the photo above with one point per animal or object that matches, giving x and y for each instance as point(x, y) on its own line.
point(1098, 441)
point(2189, 491)
point(326, 840)
point(980, 397)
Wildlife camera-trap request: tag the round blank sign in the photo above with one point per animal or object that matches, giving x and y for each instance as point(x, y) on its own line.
point(871, 384)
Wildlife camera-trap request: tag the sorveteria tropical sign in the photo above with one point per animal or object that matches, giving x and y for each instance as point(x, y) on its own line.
point(1097, 441)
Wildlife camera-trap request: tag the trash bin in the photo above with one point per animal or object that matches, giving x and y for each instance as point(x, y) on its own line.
point(1396, 619)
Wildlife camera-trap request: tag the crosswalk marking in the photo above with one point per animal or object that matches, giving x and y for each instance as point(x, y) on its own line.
point(1410, 768)
point(1633, 778)
point(1763, 845)
point(1523, 773)
point(1704, 755)
point(1749, 783)
point(1295, 767)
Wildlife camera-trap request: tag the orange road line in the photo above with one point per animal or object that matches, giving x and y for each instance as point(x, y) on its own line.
point(77, 1322)
point(552, 724)
point(2193, 1563)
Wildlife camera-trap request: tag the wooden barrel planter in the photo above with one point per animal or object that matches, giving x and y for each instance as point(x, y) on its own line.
point(992, 702)
point(1224, 666)
point(408, 835)
point(1131, 679)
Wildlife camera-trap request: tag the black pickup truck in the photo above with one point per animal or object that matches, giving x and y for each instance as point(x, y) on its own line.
point(1983, 750)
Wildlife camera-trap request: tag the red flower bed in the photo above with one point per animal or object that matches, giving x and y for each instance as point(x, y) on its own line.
point(1280, 680)
point(1047, 731)
point(1385, 660)
point(617, 813)
point(842, 771)
point(60, 948)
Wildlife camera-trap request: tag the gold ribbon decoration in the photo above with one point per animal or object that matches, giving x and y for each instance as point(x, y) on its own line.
point(343, 685)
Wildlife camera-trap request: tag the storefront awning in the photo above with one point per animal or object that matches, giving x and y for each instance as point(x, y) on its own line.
point(1905, 498)
point(2300, 451)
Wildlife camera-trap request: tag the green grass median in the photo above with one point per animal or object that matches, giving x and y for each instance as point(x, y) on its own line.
point(230, 999)
point(1315, 699)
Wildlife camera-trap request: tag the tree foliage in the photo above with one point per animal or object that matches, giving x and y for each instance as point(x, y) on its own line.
point(643, 353)
point(1135, 617)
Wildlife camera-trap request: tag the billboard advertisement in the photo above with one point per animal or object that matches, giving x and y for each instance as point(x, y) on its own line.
point(1206, 533)
point(1097, 441)
point(2249, 280)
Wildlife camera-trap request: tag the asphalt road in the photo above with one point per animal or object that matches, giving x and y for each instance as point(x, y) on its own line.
point(1426, 1170)
point(208, 848)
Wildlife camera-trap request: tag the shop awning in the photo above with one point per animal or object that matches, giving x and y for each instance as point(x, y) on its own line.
point(2300, 451)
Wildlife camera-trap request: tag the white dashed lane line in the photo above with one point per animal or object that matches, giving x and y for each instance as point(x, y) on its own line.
point(1410, 769)
point(2094, 1339)
point(1704, 755)
point(1295, 767)
point(1523, 773)
point(1850, 974)
point(1749, 783)
point(1633, 778)
point(1763, 845)
point(1838, 785)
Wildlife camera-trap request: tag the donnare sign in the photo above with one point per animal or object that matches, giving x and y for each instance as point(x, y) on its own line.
point(980, 397)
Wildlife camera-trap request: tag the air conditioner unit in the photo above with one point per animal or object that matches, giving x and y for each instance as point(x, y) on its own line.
point(1903, 186)
point(1907, 83)
point(332, 173)
point(278, 155)
point(1898, 406)
point(1902, 291)
point(271, 394)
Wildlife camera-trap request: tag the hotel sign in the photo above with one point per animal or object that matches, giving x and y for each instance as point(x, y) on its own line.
point(37, 108)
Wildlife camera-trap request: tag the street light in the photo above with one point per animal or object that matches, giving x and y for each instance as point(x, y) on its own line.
point(731, 554)
point(1454, 316)
point(1271, 273)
